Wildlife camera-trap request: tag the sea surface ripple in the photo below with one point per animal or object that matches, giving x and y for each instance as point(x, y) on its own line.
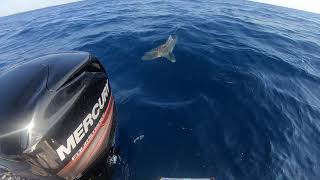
point(242, 101)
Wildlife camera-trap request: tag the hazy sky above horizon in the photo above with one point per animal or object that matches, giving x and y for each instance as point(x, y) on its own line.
point(9, 7)
point(305, 5)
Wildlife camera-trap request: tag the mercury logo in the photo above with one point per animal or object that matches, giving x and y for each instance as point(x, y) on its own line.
point(78, 134)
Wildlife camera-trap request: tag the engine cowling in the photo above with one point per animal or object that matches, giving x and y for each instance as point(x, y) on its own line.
point(57, 116)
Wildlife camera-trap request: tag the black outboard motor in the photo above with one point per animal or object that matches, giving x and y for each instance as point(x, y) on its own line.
point(57, 116)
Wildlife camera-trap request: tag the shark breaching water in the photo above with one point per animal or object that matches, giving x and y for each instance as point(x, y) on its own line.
point(164, 50)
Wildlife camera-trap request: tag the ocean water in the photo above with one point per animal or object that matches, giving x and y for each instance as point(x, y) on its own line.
point(242, 101)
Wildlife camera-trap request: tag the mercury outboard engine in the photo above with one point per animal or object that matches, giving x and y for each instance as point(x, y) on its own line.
point(57, 116)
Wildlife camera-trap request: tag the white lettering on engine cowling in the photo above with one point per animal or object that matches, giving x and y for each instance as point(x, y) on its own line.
point(75, 138)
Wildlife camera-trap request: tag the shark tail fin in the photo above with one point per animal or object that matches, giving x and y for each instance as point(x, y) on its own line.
point(171, 57)
point(150, 55)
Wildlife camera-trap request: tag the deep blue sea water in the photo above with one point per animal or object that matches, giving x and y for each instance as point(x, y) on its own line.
point(242, 101)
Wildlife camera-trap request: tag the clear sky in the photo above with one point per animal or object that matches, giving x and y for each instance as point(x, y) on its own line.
point(8, 7)
point(306, 5)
